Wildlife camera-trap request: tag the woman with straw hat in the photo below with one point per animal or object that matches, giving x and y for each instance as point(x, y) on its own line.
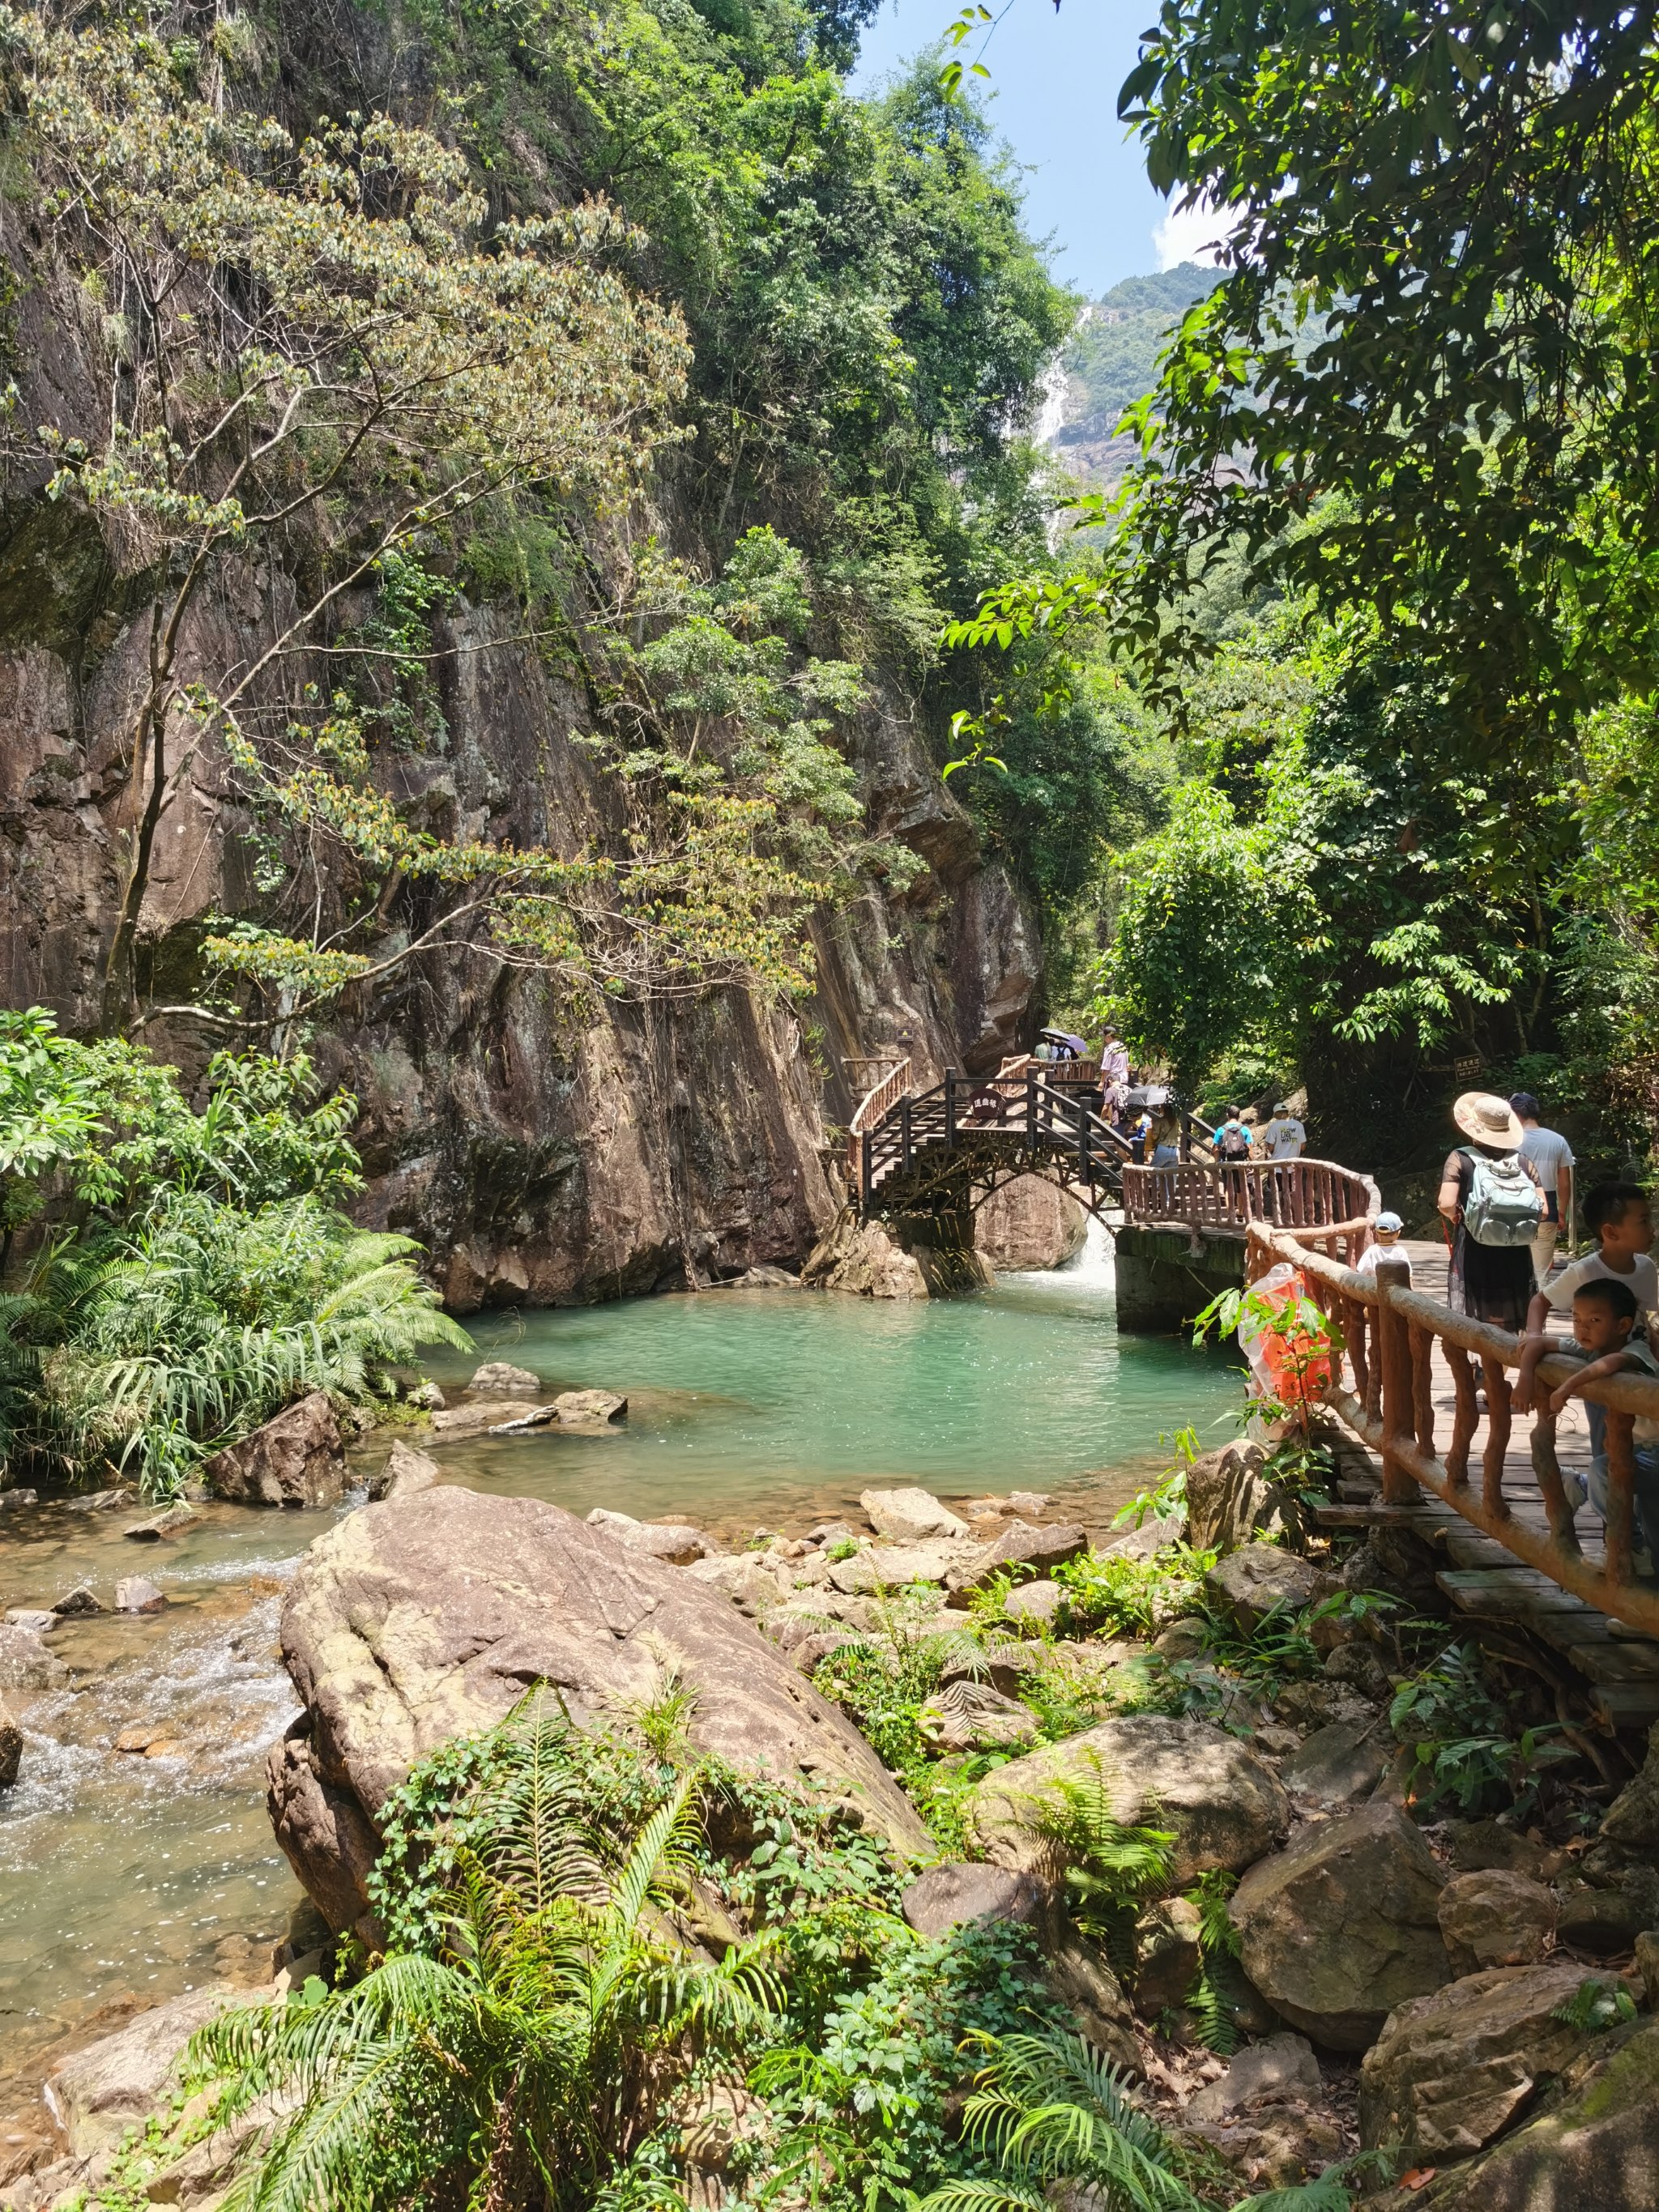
point(1491, 1200)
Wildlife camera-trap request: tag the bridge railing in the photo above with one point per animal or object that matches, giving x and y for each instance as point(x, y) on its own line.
point(1318, 1200)
point(897, 1127)
point(878, 1100)
point(1383, 1334)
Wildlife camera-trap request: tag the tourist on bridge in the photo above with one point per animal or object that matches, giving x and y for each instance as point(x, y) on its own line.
point(1388, 1245)
point(1232, 1136)
point(1492, 1203)
point(1621, 1218)
point(1113, 1074)
point(1551, 1155)
point(1166, 1134)
point(1284, 1138)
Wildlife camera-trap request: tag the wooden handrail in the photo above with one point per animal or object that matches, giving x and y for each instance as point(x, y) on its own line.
point(1316, 1201)
point(1385, 1332)
point(878, 1101)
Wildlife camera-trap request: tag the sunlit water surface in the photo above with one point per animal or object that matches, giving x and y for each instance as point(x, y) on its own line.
point(128, 1874)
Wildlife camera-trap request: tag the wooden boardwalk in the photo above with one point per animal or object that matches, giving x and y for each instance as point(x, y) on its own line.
point(1488, 1582)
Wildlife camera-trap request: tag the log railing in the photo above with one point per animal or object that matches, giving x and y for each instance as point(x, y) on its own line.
point(1317, 1200)
point(1384, 1333)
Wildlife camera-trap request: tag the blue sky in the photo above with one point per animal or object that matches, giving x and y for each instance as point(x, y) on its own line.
point(1055, 79)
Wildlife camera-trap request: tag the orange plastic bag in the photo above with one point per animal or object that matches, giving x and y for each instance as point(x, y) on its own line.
point(1282, 1334)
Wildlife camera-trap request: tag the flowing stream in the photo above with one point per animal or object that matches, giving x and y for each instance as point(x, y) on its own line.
point(136, 1859)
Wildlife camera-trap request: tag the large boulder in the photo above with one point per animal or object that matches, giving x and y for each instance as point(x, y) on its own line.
point(959, 1893)
point(1451, 2069)
point(1224, 1807)
point(676, 1543)
point(408, 1625)
point(1029, 1223)
point(911, 1515)
point(1262, 1578)
point(25, 1662)
point(1343, 1926)
point(1632, 1819)
point(1593, 2148)
point(295, 1460)
point(406, 1471)
point(499, 1378)
point(1338, 1766)
point(860, 1258)
point(1228, 1497)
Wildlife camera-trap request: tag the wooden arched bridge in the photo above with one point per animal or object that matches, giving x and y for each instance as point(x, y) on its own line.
point(946, 1146)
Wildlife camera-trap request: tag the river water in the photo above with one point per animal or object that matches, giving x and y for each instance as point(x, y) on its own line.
point(135, 1872)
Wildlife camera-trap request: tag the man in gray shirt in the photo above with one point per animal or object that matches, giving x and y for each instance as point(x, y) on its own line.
point(1552, 1157)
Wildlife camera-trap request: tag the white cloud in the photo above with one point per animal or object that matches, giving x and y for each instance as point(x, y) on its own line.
point(1189, 234)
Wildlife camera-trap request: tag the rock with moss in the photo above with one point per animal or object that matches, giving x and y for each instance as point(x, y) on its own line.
point(1450, 2070)
point(1593, 2147)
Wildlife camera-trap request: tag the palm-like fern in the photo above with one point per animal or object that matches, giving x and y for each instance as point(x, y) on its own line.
point(186, 1331)
point(524, 2062)
point(1049, 2108)
point(1109, 1865)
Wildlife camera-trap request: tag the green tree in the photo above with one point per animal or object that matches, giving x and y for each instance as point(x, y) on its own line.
point(1464, 200)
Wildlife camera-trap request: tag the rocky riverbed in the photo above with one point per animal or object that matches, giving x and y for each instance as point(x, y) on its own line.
point(1473, 1996)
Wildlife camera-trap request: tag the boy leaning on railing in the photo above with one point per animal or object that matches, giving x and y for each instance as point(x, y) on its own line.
point(1608, 1295)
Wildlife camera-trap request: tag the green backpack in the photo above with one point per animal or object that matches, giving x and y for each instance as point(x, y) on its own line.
point(1505, 1205)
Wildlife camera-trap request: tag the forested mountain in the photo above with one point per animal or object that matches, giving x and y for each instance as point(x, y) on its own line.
point(1112, 361)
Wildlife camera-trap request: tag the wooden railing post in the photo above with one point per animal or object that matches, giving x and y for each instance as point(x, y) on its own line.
point(1399, 1397)
point(906, 1149)
point(1031, 1111)
point(950, 1109)
point(1621, 1493)
point(866, 1180)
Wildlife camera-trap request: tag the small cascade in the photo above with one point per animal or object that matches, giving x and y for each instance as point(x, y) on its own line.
point(1094, 1268)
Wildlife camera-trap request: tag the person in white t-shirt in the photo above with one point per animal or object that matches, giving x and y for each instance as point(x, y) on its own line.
point(1622, 1219)
point(1284, 1136)
point(1553, 1163)
point(1386, 1247)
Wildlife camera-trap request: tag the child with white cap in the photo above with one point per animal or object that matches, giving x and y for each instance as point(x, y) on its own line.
point(1388, 1245)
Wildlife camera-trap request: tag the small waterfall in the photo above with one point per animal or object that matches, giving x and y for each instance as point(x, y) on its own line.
point(1094, 1268)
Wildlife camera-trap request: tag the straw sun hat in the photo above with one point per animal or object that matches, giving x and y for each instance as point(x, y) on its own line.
point(1489, 1120)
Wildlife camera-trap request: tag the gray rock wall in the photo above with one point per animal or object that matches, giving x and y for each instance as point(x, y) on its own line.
point(541, 1162)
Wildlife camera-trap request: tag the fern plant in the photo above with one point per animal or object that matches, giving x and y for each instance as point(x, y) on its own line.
point(1109, 1867)
point(1596, 2006)
point(186, 1331)
point(1047, 2108)
point(528, 2059)
point(1213, 1998)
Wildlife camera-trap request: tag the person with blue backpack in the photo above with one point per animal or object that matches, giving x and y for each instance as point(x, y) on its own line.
point(1492, 1202)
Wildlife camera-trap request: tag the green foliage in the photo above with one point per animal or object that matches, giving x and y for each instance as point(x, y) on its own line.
point(534, 2047)
point(1049, 2108)
point(865, 2111)
point(1109, 1867)
point(1464, 1745)
point(1107, 1593)
point(1595, 2007)
point(184, 1331)
point(1466, 214)
point(1113, 353)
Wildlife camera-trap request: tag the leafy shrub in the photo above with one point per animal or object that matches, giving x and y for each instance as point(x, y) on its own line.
point(185, 1332)
point(1464, 1745)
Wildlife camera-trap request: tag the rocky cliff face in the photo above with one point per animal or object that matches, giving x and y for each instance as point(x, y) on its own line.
point(538, 1163)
